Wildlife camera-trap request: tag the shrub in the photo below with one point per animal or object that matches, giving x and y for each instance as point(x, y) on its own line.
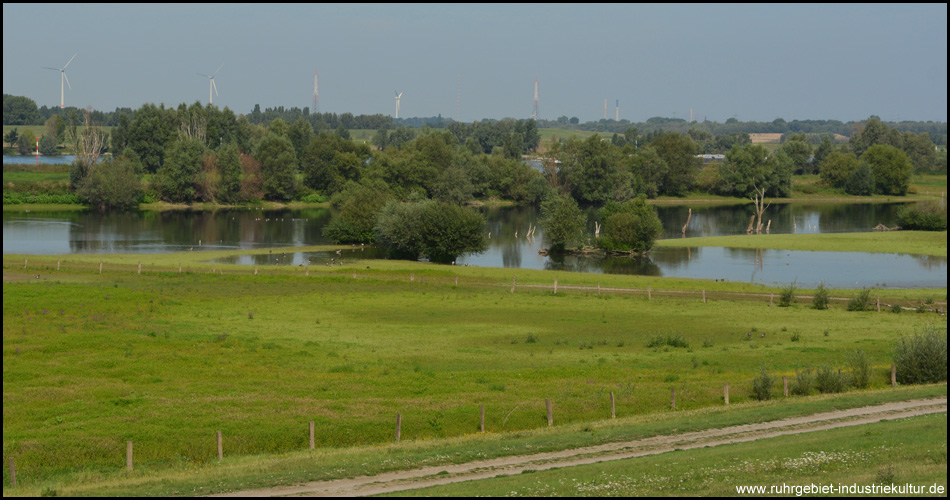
point(668, 340)
point(111, 184)
point(860, 368)
point(562, 221)
point(630, 227)
point(862, 302)
point(896, 308)
point(804, 382)
point(928, 215)
point(762, 385)
point(787, 296)
point(820, 299)
point(829, 380)
point(922, 358)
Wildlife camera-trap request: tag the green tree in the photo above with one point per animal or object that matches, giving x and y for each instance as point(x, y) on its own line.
point(11, 137)
point(749, 167)
point(630, 227)
point(381, 139)
point(300, 135)
point(453, 186)
point(111, 184)
point(679, 153)
point(799, 151)
point(920, 149)
point(356, 219)
point(26, 143)
point(149, 134)
point(873, 132)
point(229, 168)
point(19, 110)
point(822, 152)
point(562, 221)
point(47, 145)
point(891, 168)
point(439, 231)
point(278, 162)
point(861, 182)
point(837, 168)
point(178, 174)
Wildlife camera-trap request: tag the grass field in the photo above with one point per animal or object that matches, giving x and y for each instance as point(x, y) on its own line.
point(911, 242)
point(899, 452)
point(165, 359)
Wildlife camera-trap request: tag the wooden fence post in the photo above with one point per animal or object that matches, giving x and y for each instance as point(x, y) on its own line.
point(785, 385)
point(878, 303)
point(649, 292)
point(398, 426)
point(673, 398)
point(725, 392)
point(128, 456)
point(555, 285)
point(598, 289)
point(100, 267)
point(12, 474)
point(25, 259)
point(311, 435)
point(704, 295)
point(771, 296)
point(893, 375)
point(57, 264)
point(483, 418)
point(179, 268)
point(220, 447)
point(255, 269)
point(412, 277)
point(613, 406)
point(307, 272)
point(456, 280)
point(140, 267)
point(547, 402)
point(513, 279)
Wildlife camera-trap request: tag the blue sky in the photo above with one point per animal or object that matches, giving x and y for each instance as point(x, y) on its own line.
point(754, 62)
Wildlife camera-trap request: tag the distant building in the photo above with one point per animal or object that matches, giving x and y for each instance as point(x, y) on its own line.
point(711, 158)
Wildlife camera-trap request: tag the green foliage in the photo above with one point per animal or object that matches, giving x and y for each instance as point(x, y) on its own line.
point(630, 227)
point(678, 151)
point(47, 145)
point(762, 385)
point(891, 168)
point(861, 182)
point(562, 221)
point(26, 143)
point(111, 184)
point(278, 166)
point(787, 295)
point(829, 380)
point(229, 170)
point(837, 168)
point(439, 231)
point(798, 151)
point(20, 198)
point(329, 161)
point(11, 136)
point(19, 110)
point(150, 133)
point(803, 383)
point(356, 219)
point(177, 176)
point(921, 358)
point(861, 302)
point(453, 186)
point(750, 166)
point(668, 340)
point(820, 299)
point(824, 150)
point(927, 215)
point(860, 365)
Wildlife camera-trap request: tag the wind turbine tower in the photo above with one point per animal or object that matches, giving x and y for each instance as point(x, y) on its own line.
point(316, 94)
point(534, 115)
point(605, 109)
point(211, 84)
point(618, 111)
point(398, 97)
point(63, 78)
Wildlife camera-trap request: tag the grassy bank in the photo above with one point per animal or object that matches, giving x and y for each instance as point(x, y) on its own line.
point(912, 450)
point(910, 242)
point(166, 359)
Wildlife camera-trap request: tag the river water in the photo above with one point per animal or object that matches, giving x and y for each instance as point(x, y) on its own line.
point(160, 232)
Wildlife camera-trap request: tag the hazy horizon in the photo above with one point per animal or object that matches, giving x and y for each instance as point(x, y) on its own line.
point(469, 62)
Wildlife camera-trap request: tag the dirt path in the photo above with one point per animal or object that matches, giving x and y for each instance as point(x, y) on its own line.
point(483, 469)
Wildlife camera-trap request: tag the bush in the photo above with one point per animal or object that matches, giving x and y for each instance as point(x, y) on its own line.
point(829, 380)
point(862, 302)
point(630, 227)
point(860, 368)
point(804, 382)
point(922, 358)
point(111, 184)
point(787, 296)
point(928, 215)
point(356, 220)
point(820, 299)
point(762, 385)
point(562, 221)
point(439, 231)
point(668, 340)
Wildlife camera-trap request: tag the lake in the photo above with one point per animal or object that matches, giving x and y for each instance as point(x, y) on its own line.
point(160, 232)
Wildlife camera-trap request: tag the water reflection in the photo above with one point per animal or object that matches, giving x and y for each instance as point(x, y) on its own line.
point(509, 243)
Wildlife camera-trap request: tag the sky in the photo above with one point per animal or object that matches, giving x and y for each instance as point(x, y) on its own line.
point(470, 62)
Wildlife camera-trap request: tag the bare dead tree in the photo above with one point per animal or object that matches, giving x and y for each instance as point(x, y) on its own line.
point(759, 200)
point(688, 217)
point(91, 141)
point(193, 125)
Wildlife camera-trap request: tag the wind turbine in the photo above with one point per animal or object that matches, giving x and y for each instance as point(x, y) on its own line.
point(211, 84)
point(63, 78)
point(398, 96)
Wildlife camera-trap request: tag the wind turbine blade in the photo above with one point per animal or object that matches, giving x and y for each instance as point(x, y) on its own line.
point(70, 60)
point(215, 86)
point(67, 81)
point(219, 69)
point(204, 75)
point(47, 67)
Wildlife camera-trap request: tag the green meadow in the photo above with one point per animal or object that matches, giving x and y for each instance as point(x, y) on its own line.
point(165, 359)
point(910, 242)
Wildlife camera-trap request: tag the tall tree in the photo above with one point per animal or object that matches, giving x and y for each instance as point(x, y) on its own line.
point(278, 166)
point(562, 221)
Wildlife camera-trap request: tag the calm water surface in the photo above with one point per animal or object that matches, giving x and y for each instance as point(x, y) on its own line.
point(152, 232)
